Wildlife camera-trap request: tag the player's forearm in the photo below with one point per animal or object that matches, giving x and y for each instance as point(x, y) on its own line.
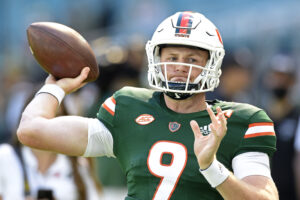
point(235, 189)
point(43, 105)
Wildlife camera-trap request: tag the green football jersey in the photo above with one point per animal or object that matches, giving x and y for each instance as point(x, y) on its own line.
point(155, 145)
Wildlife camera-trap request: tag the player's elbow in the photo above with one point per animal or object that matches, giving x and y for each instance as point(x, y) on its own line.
point(23, 135)
point(27, 131)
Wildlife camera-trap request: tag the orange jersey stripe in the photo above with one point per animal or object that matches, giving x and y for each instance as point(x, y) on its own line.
point(108, 109)
point(113, 100)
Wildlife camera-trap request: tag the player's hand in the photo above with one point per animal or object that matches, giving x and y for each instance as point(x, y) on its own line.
point(70, 85)
point(206, 147)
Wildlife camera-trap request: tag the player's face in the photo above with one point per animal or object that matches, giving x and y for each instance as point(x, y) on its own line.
point(179, 73)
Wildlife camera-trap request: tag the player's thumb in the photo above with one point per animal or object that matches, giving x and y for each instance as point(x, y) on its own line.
point(195, 128)
point(84, 74)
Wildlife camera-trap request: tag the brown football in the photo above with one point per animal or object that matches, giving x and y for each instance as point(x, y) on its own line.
point(61, 51)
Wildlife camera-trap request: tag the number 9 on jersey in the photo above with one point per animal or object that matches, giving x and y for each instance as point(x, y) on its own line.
point(168, 173)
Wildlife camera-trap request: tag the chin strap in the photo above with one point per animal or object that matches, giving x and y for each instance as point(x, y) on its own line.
point(179, 86)
point(178, 96)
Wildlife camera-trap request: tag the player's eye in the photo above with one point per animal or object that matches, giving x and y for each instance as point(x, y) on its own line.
point(191, 60)
point(172, 59)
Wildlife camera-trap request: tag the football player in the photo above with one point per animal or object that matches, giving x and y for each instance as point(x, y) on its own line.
point(171, 142)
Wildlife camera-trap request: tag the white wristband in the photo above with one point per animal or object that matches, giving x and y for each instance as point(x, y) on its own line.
point(215, 174)
point(54, 90)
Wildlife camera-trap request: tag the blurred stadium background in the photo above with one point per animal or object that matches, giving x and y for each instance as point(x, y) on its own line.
point(254, 32)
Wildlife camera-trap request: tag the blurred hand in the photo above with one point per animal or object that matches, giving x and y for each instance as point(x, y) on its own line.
point(206, 147)
point(70, 85)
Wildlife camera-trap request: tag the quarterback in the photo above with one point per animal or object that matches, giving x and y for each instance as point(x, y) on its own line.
point(171, 142)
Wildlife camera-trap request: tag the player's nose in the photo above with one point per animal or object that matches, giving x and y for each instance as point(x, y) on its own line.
point(181, 68)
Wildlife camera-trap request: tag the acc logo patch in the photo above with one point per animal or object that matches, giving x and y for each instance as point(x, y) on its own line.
point(144, 119)
point(174, 126)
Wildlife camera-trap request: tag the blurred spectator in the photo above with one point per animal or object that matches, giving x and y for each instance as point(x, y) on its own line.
point(235, 83)
point(55, 175)
point(120, 64)
point(279, 82)
point(41, 174)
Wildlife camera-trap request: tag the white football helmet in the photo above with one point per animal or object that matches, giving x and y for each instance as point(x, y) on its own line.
point(187, 29)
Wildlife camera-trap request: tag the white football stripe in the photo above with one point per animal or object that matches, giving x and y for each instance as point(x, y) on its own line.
point(259, 129)
point(110, 104)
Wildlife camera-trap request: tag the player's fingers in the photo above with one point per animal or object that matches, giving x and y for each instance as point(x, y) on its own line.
point(195, 128)
point(85, 71)
point(84, 74)
point(213, 130)
point(82, 84)
point(212, 115)
point(220, 115)
point(219, 110)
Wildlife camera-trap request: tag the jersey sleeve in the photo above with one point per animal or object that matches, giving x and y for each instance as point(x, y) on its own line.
point(259, 136)
point(107, 112)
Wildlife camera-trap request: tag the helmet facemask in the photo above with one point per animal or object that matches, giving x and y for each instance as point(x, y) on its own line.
point(207, 80)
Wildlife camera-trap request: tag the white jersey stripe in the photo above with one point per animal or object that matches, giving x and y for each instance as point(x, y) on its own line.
point(110, 105)
point(260, 129)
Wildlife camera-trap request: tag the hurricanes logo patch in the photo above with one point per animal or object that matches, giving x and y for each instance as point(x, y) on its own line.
point(144, 119)
point(174, 126)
